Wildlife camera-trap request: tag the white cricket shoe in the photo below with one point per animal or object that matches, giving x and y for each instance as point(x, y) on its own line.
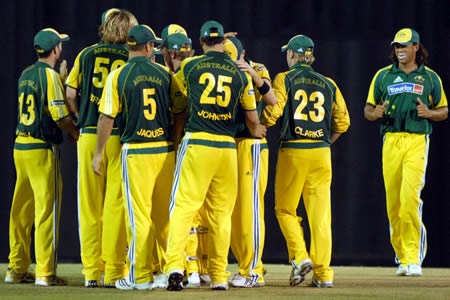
point(193, 280)
point(401, 271)
point(219, 286)
point(299, 271)
point(160, 281)
point(241, 281)
point(49, 281)
point(322, 284)
point(125, 284)
point(413, 270)
point(205, 279)
point(13, 277)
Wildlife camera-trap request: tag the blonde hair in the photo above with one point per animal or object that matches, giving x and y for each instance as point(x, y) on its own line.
point(116, 27)
point(304, 58)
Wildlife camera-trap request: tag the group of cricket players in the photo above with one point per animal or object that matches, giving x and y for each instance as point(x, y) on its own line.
point(173, 157)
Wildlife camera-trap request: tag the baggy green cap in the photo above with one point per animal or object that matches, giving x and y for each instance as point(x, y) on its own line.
point(299, 43)
point(233, 47)
point(177, 41)
point(142, 34)
point(106, 13)
point(171, 29)
point(47, 39)
point(211, 29)
point(406, 36)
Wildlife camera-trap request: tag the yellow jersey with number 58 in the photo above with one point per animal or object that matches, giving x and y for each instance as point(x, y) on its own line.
point(88, 75)
point(41, 103)
point(310, 104)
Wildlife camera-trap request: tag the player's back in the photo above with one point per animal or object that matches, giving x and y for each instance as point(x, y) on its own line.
point(38, 84)
point(89, 74)
point(214, 87)
point(144, 89)
point(308, 111)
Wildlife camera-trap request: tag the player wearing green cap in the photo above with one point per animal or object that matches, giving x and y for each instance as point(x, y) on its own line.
point(247, 223)
point(214, 86)
point(103, 248)
point(37, 194)
point(406, 96)
point(313, 116)
point(144, 93)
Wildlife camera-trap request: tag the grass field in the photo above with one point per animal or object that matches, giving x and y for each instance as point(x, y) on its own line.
point(350, 283)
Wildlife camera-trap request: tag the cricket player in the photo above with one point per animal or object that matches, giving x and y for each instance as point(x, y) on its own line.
point(314, 115)
point(247, 223)
point(142, 92)
point(214, 86)
point(37, 196)
point(103, 248)
point(406, 96)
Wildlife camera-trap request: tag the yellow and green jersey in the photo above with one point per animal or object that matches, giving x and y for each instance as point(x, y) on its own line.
point(401, 90)
point(310, 104)
point(242, 130)
point(214, 86)
point(141, 91)
point(89, 73)
point(41, 103)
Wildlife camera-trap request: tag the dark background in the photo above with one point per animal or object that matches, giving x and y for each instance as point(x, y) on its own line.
point(352, 41)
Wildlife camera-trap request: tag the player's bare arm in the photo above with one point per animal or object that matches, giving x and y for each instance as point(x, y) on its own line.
point(67, 125)
point(373, 113)
point(104, 128)
point(256, 128)
point(63, 70)
point(72, 100)
point(437, 114)
point(334, 137)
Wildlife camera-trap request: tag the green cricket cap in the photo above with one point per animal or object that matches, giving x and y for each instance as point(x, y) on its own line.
point(106, 14)
point(233, 47)
point(171, 29)
point(47, 39)
point(142, 34)
point(299, 43)
point(211, 29)
point(406, 36)
point(177, 41)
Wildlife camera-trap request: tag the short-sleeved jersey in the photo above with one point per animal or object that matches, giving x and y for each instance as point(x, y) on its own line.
point(401, 90)
point(242, 130)
point(41, 103)
point(140, 90)
point(89, 73)
point(214, 86)
point(311, 105)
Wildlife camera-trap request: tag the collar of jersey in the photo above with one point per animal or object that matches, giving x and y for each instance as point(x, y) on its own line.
point(139, 58)
point(43, 64)
point(396, 69)
point(215, 53)
point(300, 65)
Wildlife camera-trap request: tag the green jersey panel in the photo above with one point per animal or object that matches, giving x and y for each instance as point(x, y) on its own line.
point(214, 86)
point(401, 90)
point(307, 114)
point(34, 118)
point(96, 62)
point(144, 92)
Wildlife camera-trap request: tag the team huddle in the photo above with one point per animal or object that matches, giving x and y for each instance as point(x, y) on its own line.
point(173, 159)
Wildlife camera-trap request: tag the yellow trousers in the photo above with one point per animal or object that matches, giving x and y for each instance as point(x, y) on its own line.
point(206, 173)
point(37, 200)
point(305, 173)
point(405, 157)
point(101, 213)
point(247, 223)
point(147, 174)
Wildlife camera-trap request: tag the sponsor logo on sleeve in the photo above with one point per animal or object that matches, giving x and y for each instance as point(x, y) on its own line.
point(57, 102)
point(251, 92)
point(260, 69)
point(405, 87)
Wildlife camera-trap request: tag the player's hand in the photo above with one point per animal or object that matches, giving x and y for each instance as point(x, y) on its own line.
point(380, 110)
point(230, 34)
point(422, 110)
point(245, 67)
point(259, 131)
point(96, 163)
point(63, 70)
point(73, 138)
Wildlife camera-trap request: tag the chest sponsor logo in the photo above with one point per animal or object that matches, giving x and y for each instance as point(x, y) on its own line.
point(398, 79)
point(405, 88)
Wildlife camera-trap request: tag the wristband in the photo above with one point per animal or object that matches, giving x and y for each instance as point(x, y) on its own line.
point(264, 88)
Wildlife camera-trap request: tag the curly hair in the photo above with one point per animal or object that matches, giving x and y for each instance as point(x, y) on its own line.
point(421, 56)
point(116, 27)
